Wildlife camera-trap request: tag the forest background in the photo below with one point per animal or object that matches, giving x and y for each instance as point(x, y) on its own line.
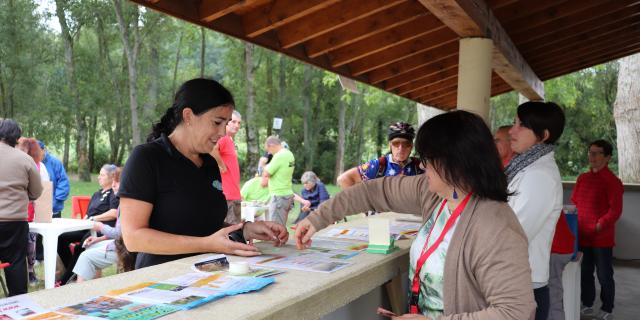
point(90, 77)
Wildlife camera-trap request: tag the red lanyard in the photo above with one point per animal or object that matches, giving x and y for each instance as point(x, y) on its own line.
point(426, 252)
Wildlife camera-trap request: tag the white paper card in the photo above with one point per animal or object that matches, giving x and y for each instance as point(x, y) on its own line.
point(379, 231)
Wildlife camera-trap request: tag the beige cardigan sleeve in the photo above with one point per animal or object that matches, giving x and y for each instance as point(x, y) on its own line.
point(496, 259)
point(398, 194)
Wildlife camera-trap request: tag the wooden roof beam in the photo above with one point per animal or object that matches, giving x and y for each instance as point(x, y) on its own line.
point(578, 35)
point(403, 51)
point(473, 18)
point(215, 9)
point(428, 81)
point(580, 63)
point(364, 28)
point(605, 40)
point(435, 90)
point(278, 13)
point(422, 72)
point(332, 18)
point(412, 63)
point(595, 17)
point(382, 41)
point(585, 55)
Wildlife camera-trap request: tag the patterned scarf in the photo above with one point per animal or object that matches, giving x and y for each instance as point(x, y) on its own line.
point(523, 160)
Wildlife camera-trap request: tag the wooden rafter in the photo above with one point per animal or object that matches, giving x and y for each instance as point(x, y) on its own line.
point(278, 13)
point(592, 18)
point(564, 9)
point(605, 40)
point(383, 41)
point(422, 72)
point(364, 28)
point(578, 35)
point(403, 51)
point(414, 62)
point(332, 18)
point(214, 9)
point(428, 81)
point(473, 18)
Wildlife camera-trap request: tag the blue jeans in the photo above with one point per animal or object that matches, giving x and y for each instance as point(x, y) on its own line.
point(542, 300)
point(599, 259)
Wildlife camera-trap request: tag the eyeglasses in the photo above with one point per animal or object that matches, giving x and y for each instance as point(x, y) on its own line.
point(403, 143)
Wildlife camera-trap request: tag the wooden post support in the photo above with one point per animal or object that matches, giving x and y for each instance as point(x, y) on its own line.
point(474, 75)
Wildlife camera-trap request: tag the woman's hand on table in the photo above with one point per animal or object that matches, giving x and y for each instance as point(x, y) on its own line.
point(266, 230)
point(220, 243)
point(304, 232)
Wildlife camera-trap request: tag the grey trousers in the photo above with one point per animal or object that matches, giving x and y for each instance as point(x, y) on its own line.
point(279, 208)
point(233, 212)
point(557, 262)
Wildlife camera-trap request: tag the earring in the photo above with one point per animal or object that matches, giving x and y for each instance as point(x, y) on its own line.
point(455, 194)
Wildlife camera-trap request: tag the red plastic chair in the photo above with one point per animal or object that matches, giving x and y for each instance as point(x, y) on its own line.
point(79, 206)
point(4, 286)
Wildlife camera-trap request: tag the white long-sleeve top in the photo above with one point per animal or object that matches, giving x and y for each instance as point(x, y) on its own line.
point(537, 203)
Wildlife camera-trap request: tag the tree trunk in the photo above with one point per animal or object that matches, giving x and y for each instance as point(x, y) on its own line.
point(67, 143)
point(92, 142)
point(150, 107)
point(250, 127)
point(271, 96)
point(626, 112)
point(131, 49)
point(81, 122)
point(339, 168)
point(306, 124)
point(175, 67)
point(380, 136)
point(203, 45)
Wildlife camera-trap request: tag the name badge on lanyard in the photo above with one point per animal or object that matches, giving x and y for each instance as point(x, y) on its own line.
point(427, 251)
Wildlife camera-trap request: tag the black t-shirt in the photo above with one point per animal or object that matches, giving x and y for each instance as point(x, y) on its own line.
point(101, 202)
point(186, 200)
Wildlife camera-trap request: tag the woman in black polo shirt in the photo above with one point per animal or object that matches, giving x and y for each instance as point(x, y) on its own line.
point(171, 201)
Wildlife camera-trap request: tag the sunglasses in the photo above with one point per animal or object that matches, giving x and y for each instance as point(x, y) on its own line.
point(403, 143)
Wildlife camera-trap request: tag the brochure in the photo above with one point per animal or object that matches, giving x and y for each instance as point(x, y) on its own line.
point(219, 262)
point(191, 290)
point(118, 309)
point(305, 261)
point(18, 307)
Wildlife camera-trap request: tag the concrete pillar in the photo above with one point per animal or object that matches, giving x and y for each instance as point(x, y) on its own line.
point(426, 112)
point(474, 76)
point(522, 99)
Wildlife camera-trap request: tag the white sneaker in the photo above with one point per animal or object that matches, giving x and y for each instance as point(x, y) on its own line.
point(587, 311)
point(605, 315)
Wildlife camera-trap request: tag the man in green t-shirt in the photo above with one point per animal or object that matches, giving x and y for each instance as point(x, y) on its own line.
point(278, 175)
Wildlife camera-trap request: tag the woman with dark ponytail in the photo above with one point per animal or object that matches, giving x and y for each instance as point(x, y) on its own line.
point(171, 200)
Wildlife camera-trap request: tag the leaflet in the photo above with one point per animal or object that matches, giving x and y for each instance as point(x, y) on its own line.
point(304, 261)
point(191, 290)
point(118, 309)
point(19, 307)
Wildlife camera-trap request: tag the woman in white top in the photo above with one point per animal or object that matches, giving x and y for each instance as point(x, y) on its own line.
point(534, 179)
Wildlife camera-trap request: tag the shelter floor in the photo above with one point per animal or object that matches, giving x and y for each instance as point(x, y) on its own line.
point(627, 276)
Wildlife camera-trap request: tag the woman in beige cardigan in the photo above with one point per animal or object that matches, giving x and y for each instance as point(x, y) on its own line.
point(474, 247)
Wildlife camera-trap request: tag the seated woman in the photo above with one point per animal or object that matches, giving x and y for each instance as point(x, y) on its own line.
point(172, 204)
point(313, 194)
point(469, 260)
point(100, 252)
point(102, 207)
